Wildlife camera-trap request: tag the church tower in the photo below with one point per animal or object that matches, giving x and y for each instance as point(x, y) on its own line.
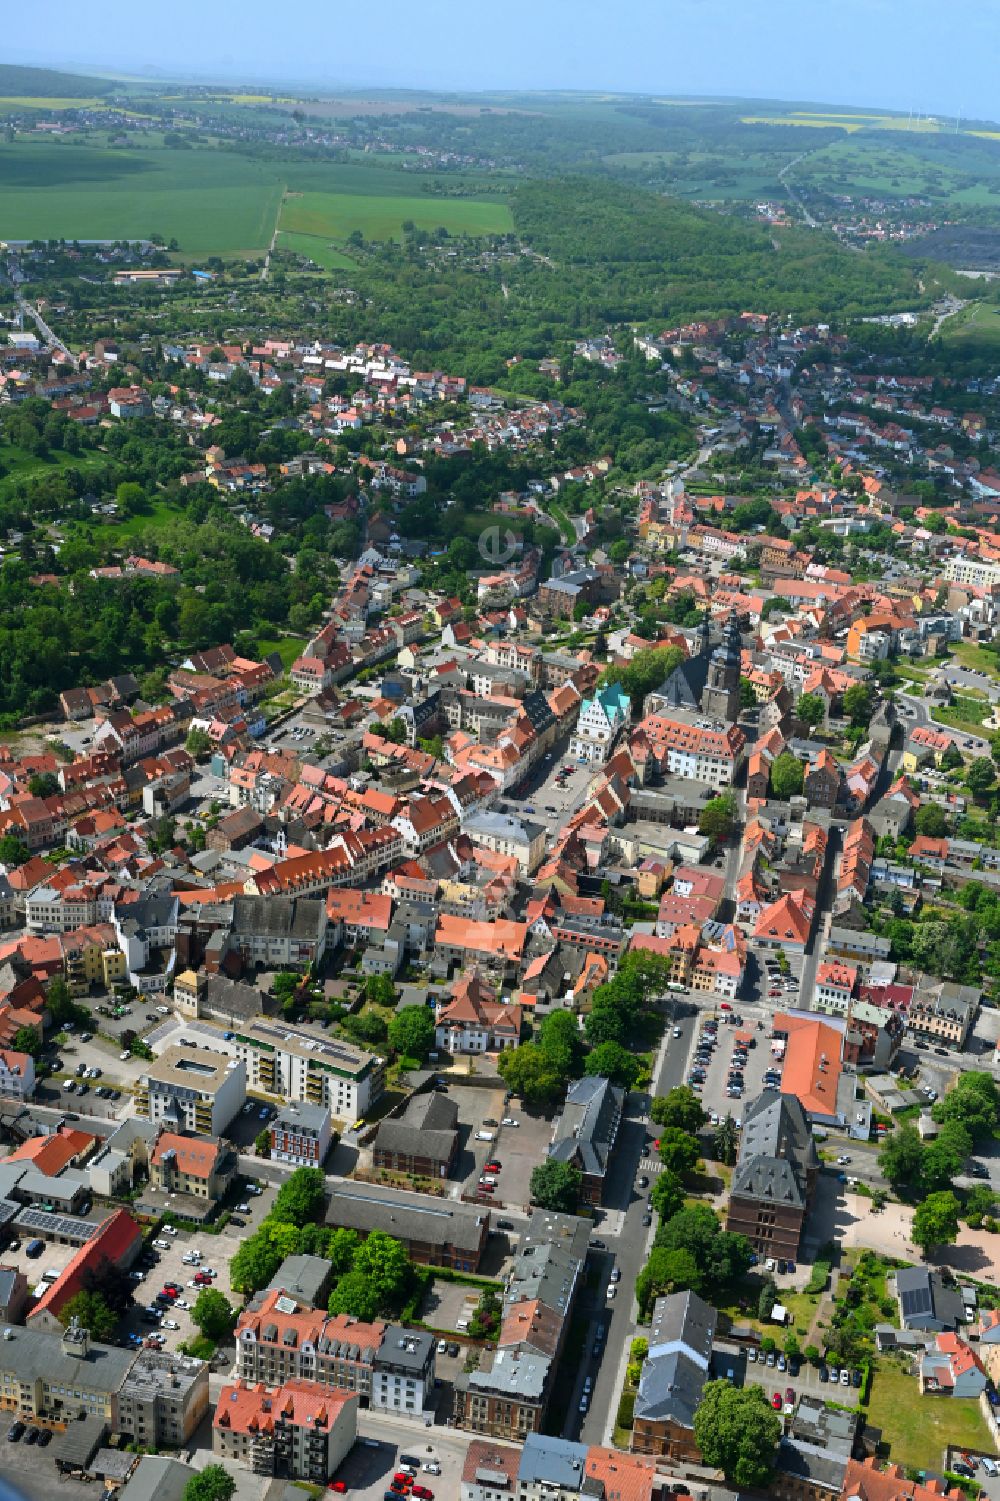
point(721, 697)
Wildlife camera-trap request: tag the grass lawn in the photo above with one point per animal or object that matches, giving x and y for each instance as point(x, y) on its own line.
point(15, 462)
point(289, 648)
point(562, 520)
point(917, 1429)
point(966, 715)
point(381, 216)
point(968, 654)
point(978, 324)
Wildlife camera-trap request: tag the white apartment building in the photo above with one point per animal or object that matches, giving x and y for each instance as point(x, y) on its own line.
point(294, 1063)
point(192, 1089)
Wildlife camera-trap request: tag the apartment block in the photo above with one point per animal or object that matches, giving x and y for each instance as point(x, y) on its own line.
point(194, 1089)
point(297, 1064)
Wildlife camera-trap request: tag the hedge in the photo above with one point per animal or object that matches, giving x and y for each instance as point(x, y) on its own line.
point(626, 1410)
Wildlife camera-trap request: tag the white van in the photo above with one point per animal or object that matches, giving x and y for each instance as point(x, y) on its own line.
point(484, 1136)
point(461, 1324)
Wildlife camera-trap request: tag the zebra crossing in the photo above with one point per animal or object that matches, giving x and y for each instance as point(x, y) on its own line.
point(650, 1165)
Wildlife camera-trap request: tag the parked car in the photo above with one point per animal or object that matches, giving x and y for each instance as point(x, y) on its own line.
point(776, 1401)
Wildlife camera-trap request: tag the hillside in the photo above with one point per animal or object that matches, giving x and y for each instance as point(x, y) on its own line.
point(640, 255)
point(45, 83)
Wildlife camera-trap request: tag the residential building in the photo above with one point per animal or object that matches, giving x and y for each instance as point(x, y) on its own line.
point(672, 1378)
point(17, 1074)
point(505, 1395)
point(774, 1177)
point(520, 837)
point(864, 1481)
point(301, 1133)
point(163, 1399)
point(192, 1165)
point(489, 1471)
point(926, 1301)
point(943, 1012)
point(194, 1089)
point(473, 1021)
point(436, 1232)
point(297, 1063)
point(951, 1368)
point(690, 745)
point(302, 1431)
point(585, 1132)
point(403, 1374)
point(835, 984)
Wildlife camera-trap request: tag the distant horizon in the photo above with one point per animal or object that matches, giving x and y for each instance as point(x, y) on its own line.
point(877, 54)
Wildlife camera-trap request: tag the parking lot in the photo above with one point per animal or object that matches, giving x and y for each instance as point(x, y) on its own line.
point(805, 1381)
point(216, 1252)
point(53, 1258)
point(542, 793)
point(518, 1148)
point(376, 1457)
point(714, 1086)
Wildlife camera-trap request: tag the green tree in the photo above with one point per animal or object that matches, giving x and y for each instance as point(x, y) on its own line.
point(26, 1040)
point(811, 710)
point(664, 1272)
point(681, 1107)
point(786, 776)
point(858, 702)
point(530, 1075)
point(262, 1143)
point(301, 1197)
point(556, 1185)
point(646, 671)
point(341, 1249)
point(44, 784)
point(383, 1262)
point(561, 1044)
point(355, 1295)
point(930, 820)
point(981, 777)
point(130, 498)
point(678, 1151)
point(718, 818)
point(611, 1061)
point(213, 1314)
point(901, 1156)
point(737, 1431)
point(667, 1195)
point(945, 1156)
point(974, 1103)
point(92, 1311)
point(380, 990)
point(951, 759)
point(13, 851)
point(722, 1257)
point(935, 1221)
point(198, 743)
point(726, 1141)
point(213, 1483)
point(411, 1031)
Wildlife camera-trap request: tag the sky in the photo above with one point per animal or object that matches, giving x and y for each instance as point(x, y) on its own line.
point(920, 55)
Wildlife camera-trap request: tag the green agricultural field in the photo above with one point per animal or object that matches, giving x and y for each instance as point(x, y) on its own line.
point(378, 217)
point(318, 248)
point(216, 202)
point(210, 201)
